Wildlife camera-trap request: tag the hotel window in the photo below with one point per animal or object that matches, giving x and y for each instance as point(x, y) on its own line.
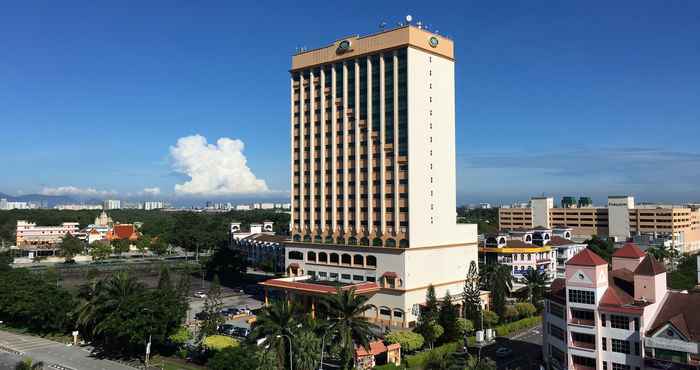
point(605, 365)
point(602, 319)
point(604, 341)
point(334, 275)
point(583, 361)
point(581, 296)
point(636, 348)
point(556, 310)
point(620, 346)
point(619, 322)
point(636, 324)
point(345, 276)
point(358, 278)
point(616, 366)
point(557, 332)
point(371, 278)
point(322, 274)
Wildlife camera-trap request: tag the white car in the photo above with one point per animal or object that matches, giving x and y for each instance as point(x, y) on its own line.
point(200, 294)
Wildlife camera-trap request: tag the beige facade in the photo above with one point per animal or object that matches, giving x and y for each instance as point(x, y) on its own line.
point(373, 169)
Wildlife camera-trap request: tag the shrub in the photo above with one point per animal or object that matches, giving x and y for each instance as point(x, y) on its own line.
point(219, 342)
point(510, 314)
point(420, 359)
point(525, 309)
point(465, 326)
point(490, 318)
point(408, 340)
point(181, 336)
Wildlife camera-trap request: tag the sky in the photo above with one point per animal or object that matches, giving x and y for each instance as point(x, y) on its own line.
point(178, 99)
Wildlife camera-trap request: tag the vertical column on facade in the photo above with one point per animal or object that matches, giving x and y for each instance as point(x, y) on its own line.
point(382, 154)
point(358, 146)
point(345, 149)
point(302, 156)
point(370, 154)
point(312, 153)
point(334, 152)
point(395, 165)
point(294, 143)
point(322, 152)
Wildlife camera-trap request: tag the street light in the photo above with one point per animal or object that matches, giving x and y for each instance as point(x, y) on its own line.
point(323, 344)
point(291, 365)
point(148, 345)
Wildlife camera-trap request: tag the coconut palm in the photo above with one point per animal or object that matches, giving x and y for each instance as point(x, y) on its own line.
point(106, 297)
point(275, 324)
point(535, 281)
point(350, 327)
point(499, 281)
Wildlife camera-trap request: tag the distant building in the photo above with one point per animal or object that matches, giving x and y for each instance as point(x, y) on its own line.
point(485, 205)
point(6, 205)
point(77, 207)
point(621, 219)
point(112, 204)
point(259, 243)
point(123, 232)
point(103, 220)
point(242, 207)
point(153, 205)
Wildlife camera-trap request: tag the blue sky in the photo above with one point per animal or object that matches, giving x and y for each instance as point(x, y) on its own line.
point(576, 97)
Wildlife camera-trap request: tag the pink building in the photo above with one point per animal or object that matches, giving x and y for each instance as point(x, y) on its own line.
point(619, 316)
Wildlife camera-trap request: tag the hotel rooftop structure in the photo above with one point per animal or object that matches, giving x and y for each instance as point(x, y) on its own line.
point(621, 219)
point(373, 172)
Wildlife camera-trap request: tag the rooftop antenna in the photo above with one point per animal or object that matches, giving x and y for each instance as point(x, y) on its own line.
point(409, 19)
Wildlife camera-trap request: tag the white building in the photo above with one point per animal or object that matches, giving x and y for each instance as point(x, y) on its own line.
point(384, 220)
point(7, 205)
point(112, 204)
point(77, 207)
point(29, 235)
point(153, 205)
point(243, 207)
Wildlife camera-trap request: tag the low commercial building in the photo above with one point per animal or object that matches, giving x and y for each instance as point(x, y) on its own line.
point(262, 248)
point(622, 219)
point(521, 250)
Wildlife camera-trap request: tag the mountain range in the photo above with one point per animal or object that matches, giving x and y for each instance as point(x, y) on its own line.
point(45, 200)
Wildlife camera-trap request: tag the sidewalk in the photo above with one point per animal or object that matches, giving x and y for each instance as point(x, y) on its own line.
point(54, 355)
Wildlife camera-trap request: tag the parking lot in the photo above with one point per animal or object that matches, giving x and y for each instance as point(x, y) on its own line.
point(523, 351)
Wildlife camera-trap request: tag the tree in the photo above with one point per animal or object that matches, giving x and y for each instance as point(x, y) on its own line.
point(447, 318)
point(240, 358)
point(465, 326)
point(100, 250)
point(6, 261)
point(499, 281)
point(212, 306)
point(29, 364)
point(164, 280)
point(430, 312)
point(307, 346)
point(490, 318)
point(346, 310)
point(158, 246)
point(525, 309)
point(229, 264)
point(409, 341)
point(121, 246)
point(483, 363)
point(70, 247)
point(602, 247)
point(143, 245)
point(472, 294)
point(431, 332)
point(272, 324)
point(536, 281)
point(510, 313)
point(664, 253)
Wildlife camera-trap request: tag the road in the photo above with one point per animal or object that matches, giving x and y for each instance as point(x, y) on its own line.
point(230, 299)
point(526, 350)
point(52, 353)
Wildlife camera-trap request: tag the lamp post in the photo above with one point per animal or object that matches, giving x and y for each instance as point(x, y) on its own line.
point(148, 345)
point(323, 344)
point(291, 364)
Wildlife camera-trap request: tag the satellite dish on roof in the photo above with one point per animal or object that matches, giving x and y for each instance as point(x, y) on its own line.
point(409, 18)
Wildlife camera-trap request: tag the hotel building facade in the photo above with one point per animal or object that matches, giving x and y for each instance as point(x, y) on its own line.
point(373, 172)
point(621, 219)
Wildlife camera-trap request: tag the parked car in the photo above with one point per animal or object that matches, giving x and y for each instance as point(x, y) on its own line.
point(241, 332)
point(503, 352)
point(200, 294)
point(227, 329)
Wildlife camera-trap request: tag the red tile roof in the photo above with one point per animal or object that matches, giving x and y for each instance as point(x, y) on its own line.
point(558, 240)
point(390, 274)
point(680, 310)
point(649, 267)
point(123, 231)
point(586, 258)
point(629, 250)
point(375, 348)
point(311, 287)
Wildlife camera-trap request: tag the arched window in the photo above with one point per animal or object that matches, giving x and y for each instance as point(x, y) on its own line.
point(318, 239)
point(358, 260)
point(403, 243)
point(371, 261)
point(329, 240)
point(398, 313)
point(546, 236)
point(390, 243)
point(528, 238)
point(322, 257)
point(345, 259)
point(334, 258)
point(364, 241)
point(377, 242)
point(307, 238)
point(340, 241)
point(567, 235)
point(296, 255)
point(297, 238)
point(502, 241)
point(352, 240)
point(311, 256)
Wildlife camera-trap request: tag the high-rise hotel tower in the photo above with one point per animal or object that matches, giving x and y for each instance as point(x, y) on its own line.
point(373, 170)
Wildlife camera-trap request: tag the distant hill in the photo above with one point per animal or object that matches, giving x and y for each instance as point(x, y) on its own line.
point(48, 200)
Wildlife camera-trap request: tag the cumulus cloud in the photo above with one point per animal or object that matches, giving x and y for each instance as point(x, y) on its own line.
point(213, 169)
point(76, 191)
point(151, 191)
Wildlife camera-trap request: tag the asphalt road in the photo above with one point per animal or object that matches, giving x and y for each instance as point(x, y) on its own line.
point(526, 350)
point(231, 298)
point(52, 353)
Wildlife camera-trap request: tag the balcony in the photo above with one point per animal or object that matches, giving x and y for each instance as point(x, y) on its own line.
point(584, 345)
point(580, 321)
point(581, 367)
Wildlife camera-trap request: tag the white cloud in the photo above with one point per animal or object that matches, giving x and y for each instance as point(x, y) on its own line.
point(151, 191)
point(214, 169)
point(76, 191)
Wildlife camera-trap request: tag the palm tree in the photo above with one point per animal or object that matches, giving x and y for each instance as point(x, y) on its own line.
point(499, 281)
point(275, 324)
point(106, 297)
point(346, 312)
point(29, 364)
point(535, 281)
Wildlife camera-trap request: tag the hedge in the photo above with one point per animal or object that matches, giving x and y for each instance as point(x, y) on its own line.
point(418, 360)
point(505, 329)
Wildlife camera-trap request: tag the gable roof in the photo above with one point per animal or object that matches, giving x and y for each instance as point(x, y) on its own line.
point(559, 241)
point(649, 267)
point(680, 310)
point(629, 250)
point(586, 257)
